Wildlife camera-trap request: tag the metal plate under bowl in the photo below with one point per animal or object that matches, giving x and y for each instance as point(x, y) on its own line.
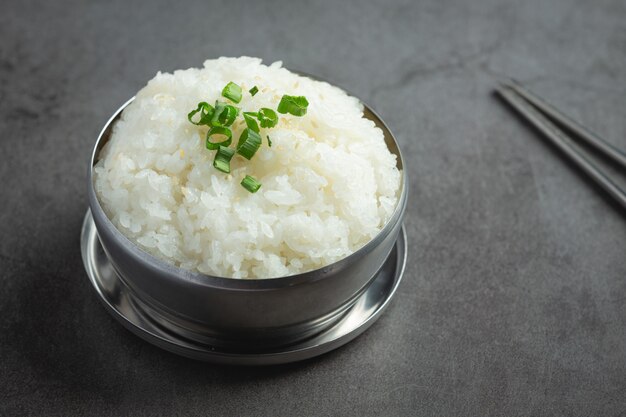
point(121, 303)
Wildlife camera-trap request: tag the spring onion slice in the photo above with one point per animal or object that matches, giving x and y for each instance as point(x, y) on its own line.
point(250, 184)
point(206, 113)
point(232, 92)
point(218, 130)
point(249, 143)
point(224, 114)
point(253, 90)
point(250, 122)
point(222, 158)
point(268, 117)
point(269, 141)
point(295, 105)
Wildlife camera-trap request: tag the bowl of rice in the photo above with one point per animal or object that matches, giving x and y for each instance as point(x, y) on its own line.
point(270, 249)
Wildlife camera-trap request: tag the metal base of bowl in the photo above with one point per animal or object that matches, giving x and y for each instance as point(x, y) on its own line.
point(122, 305)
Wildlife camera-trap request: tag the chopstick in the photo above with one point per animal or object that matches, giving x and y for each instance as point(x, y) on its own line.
point(521, 104)
point(574, 127)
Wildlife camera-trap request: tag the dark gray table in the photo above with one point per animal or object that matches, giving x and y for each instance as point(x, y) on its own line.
point(514, 297)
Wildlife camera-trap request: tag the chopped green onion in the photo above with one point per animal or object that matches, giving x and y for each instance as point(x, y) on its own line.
point(222, 158)
point(206, 113)
point(250, 122)
point(268, 117)
point(224, 114)
point(250, 184)
point(218, 130)
point(295, 105)
point(249, 143)
point(232, 92)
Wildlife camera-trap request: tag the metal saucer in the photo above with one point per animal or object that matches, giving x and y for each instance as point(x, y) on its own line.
point(121, 303)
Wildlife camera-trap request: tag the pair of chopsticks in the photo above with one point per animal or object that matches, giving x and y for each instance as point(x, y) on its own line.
point(546, 118)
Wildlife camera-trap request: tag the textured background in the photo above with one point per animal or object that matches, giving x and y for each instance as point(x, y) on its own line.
point(514, 297)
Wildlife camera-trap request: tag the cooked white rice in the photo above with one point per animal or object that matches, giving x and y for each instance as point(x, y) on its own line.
point(329, 183)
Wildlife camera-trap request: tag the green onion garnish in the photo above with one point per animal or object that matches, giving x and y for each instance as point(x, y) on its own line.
point(250, 184)
point(232, 92)
point(224, 114)
point(222, 158)
point(206, 113)
point(295, 105)
point(249, 143)
point(218, 130)
point(250, 122)
point(268, 117)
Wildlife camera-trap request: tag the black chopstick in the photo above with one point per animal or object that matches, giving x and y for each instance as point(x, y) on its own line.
point(558, 138)
point(574, 127)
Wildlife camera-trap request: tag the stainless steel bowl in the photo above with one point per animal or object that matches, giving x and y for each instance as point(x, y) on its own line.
point(244, 313)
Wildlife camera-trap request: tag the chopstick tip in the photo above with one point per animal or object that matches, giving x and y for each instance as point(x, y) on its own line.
point(502, 88)
point(511, 83)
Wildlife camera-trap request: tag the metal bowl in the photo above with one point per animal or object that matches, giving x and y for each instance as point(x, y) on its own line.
point(244, 313)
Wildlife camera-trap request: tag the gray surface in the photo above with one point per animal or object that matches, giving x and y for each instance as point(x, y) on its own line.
point(514, 302)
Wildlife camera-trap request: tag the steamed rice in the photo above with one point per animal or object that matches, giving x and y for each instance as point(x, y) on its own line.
point(329, 183)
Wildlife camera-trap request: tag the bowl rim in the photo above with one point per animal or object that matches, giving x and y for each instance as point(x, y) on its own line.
point(247, 284)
